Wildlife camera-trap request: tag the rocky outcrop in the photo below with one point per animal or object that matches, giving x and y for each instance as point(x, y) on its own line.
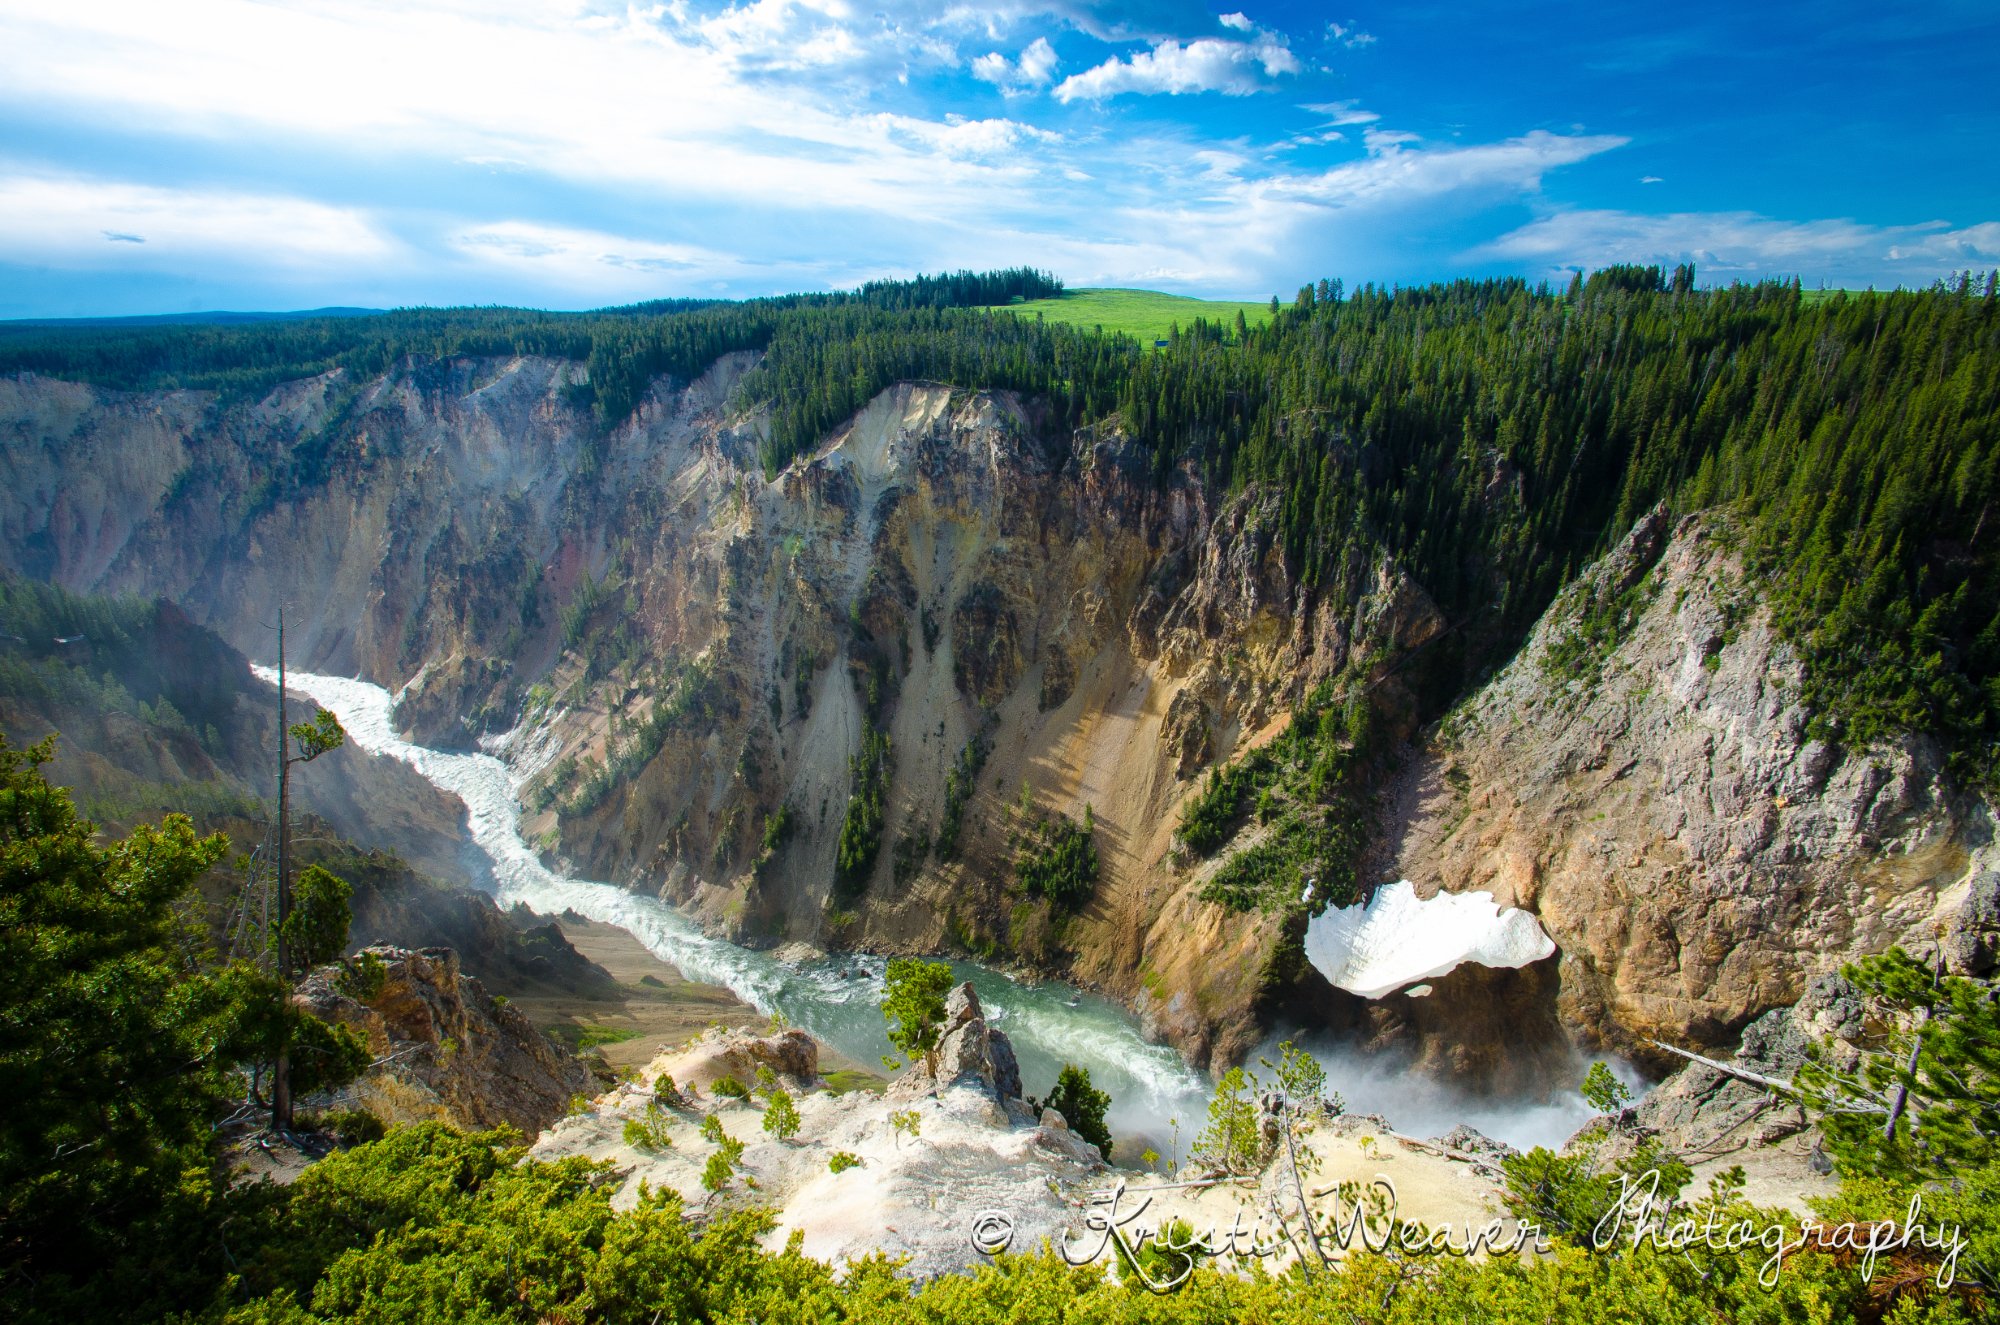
point(445, 1049)
point(515, 952)
point(792, 1055)
point(970, 1052)
point(856, 1178)
point(1972, 942)
point(1646, 780)
point(1053, 1133)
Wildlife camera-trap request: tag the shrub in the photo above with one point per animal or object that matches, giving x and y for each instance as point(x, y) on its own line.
point(1231, 1141)
point(362, 976)
point(781, 1116)
point(721, 1165)
point(913, 1004)
point(650, 1130)
point(842, 1160)
point(1057, 859)
point(355, 1127)
point(1081, 1105)
point(730, 1088)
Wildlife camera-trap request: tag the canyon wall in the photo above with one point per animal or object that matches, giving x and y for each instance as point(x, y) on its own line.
point(989, 621)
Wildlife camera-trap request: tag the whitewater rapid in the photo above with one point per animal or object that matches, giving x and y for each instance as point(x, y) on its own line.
point(837, 999)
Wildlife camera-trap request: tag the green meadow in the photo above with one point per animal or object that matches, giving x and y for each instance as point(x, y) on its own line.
point(1146, 315)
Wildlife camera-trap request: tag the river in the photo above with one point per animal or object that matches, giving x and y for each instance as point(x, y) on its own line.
point(836, 999)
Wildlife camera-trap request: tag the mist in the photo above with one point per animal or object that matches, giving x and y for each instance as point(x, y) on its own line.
point(1416, 1104)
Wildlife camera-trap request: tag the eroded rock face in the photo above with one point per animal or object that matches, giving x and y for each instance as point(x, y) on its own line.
point(452, 1052)
point(792, 1055)
point(947, 571)
point(1654, 795)
point(1053, 1132)
point(969, 1053)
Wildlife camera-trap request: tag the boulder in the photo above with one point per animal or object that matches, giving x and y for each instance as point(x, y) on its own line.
point(1054, 1133)
point(1972, 945)
point(792, 1054)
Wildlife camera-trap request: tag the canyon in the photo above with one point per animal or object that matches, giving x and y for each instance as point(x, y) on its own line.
point(694, 665)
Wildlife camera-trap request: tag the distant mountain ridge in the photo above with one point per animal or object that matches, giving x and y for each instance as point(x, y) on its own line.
point(215, 317)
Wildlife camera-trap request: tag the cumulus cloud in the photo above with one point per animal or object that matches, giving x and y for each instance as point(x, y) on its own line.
point(1237, 21)
point(1207, 64)
point(1035, 68)
point(1349, 36)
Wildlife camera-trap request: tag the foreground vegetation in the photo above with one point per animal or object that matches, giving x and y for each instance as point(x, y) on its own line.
point(122, 1042)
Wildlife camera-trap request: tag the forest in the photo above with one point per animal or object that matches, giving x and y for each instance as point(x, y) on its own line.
point(1492, 435)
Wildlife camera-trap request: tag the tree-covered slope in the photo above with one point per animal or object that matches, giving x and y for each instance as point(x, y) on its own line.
point(1493, 436)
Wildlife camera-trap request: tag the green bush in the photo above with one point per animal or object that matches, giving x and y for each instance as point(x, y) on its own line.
point(781, 1116)
point(355, 1127)
point(913, 995)
point(1081, 1105)
point(1056, 859)
point(652, 1129)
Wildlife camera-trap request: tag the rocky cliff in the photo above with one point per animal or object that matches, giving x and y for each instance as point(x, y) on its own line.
point(960, 623)
point(445, 1049)
point(695, 653)
point(1644, 779)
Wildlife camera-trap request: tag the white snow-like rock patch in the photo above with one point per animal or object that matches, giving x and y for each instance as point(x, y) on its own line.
point(1399, 939)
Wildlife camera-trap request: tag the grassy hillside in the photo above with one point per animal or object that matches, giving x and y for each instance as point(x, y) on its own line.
point(1144, 315)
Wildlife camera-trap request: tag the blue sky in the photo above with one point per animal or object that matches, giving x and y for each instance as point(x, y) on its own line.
point(199, 154)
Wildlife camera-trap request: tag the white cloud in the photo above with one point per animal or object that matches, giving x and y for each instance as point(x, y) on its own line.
point(759, 123)
point(1383, 140)
point(588, 260)
point(1341, 113)
point(1651, 179)
point(1974, 244)
point(961, 138)
point(1207, 64)
point(1394, 174)
point(1745, 244)
point(1036, 68)
point(1349, 36)
point(74, 220)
